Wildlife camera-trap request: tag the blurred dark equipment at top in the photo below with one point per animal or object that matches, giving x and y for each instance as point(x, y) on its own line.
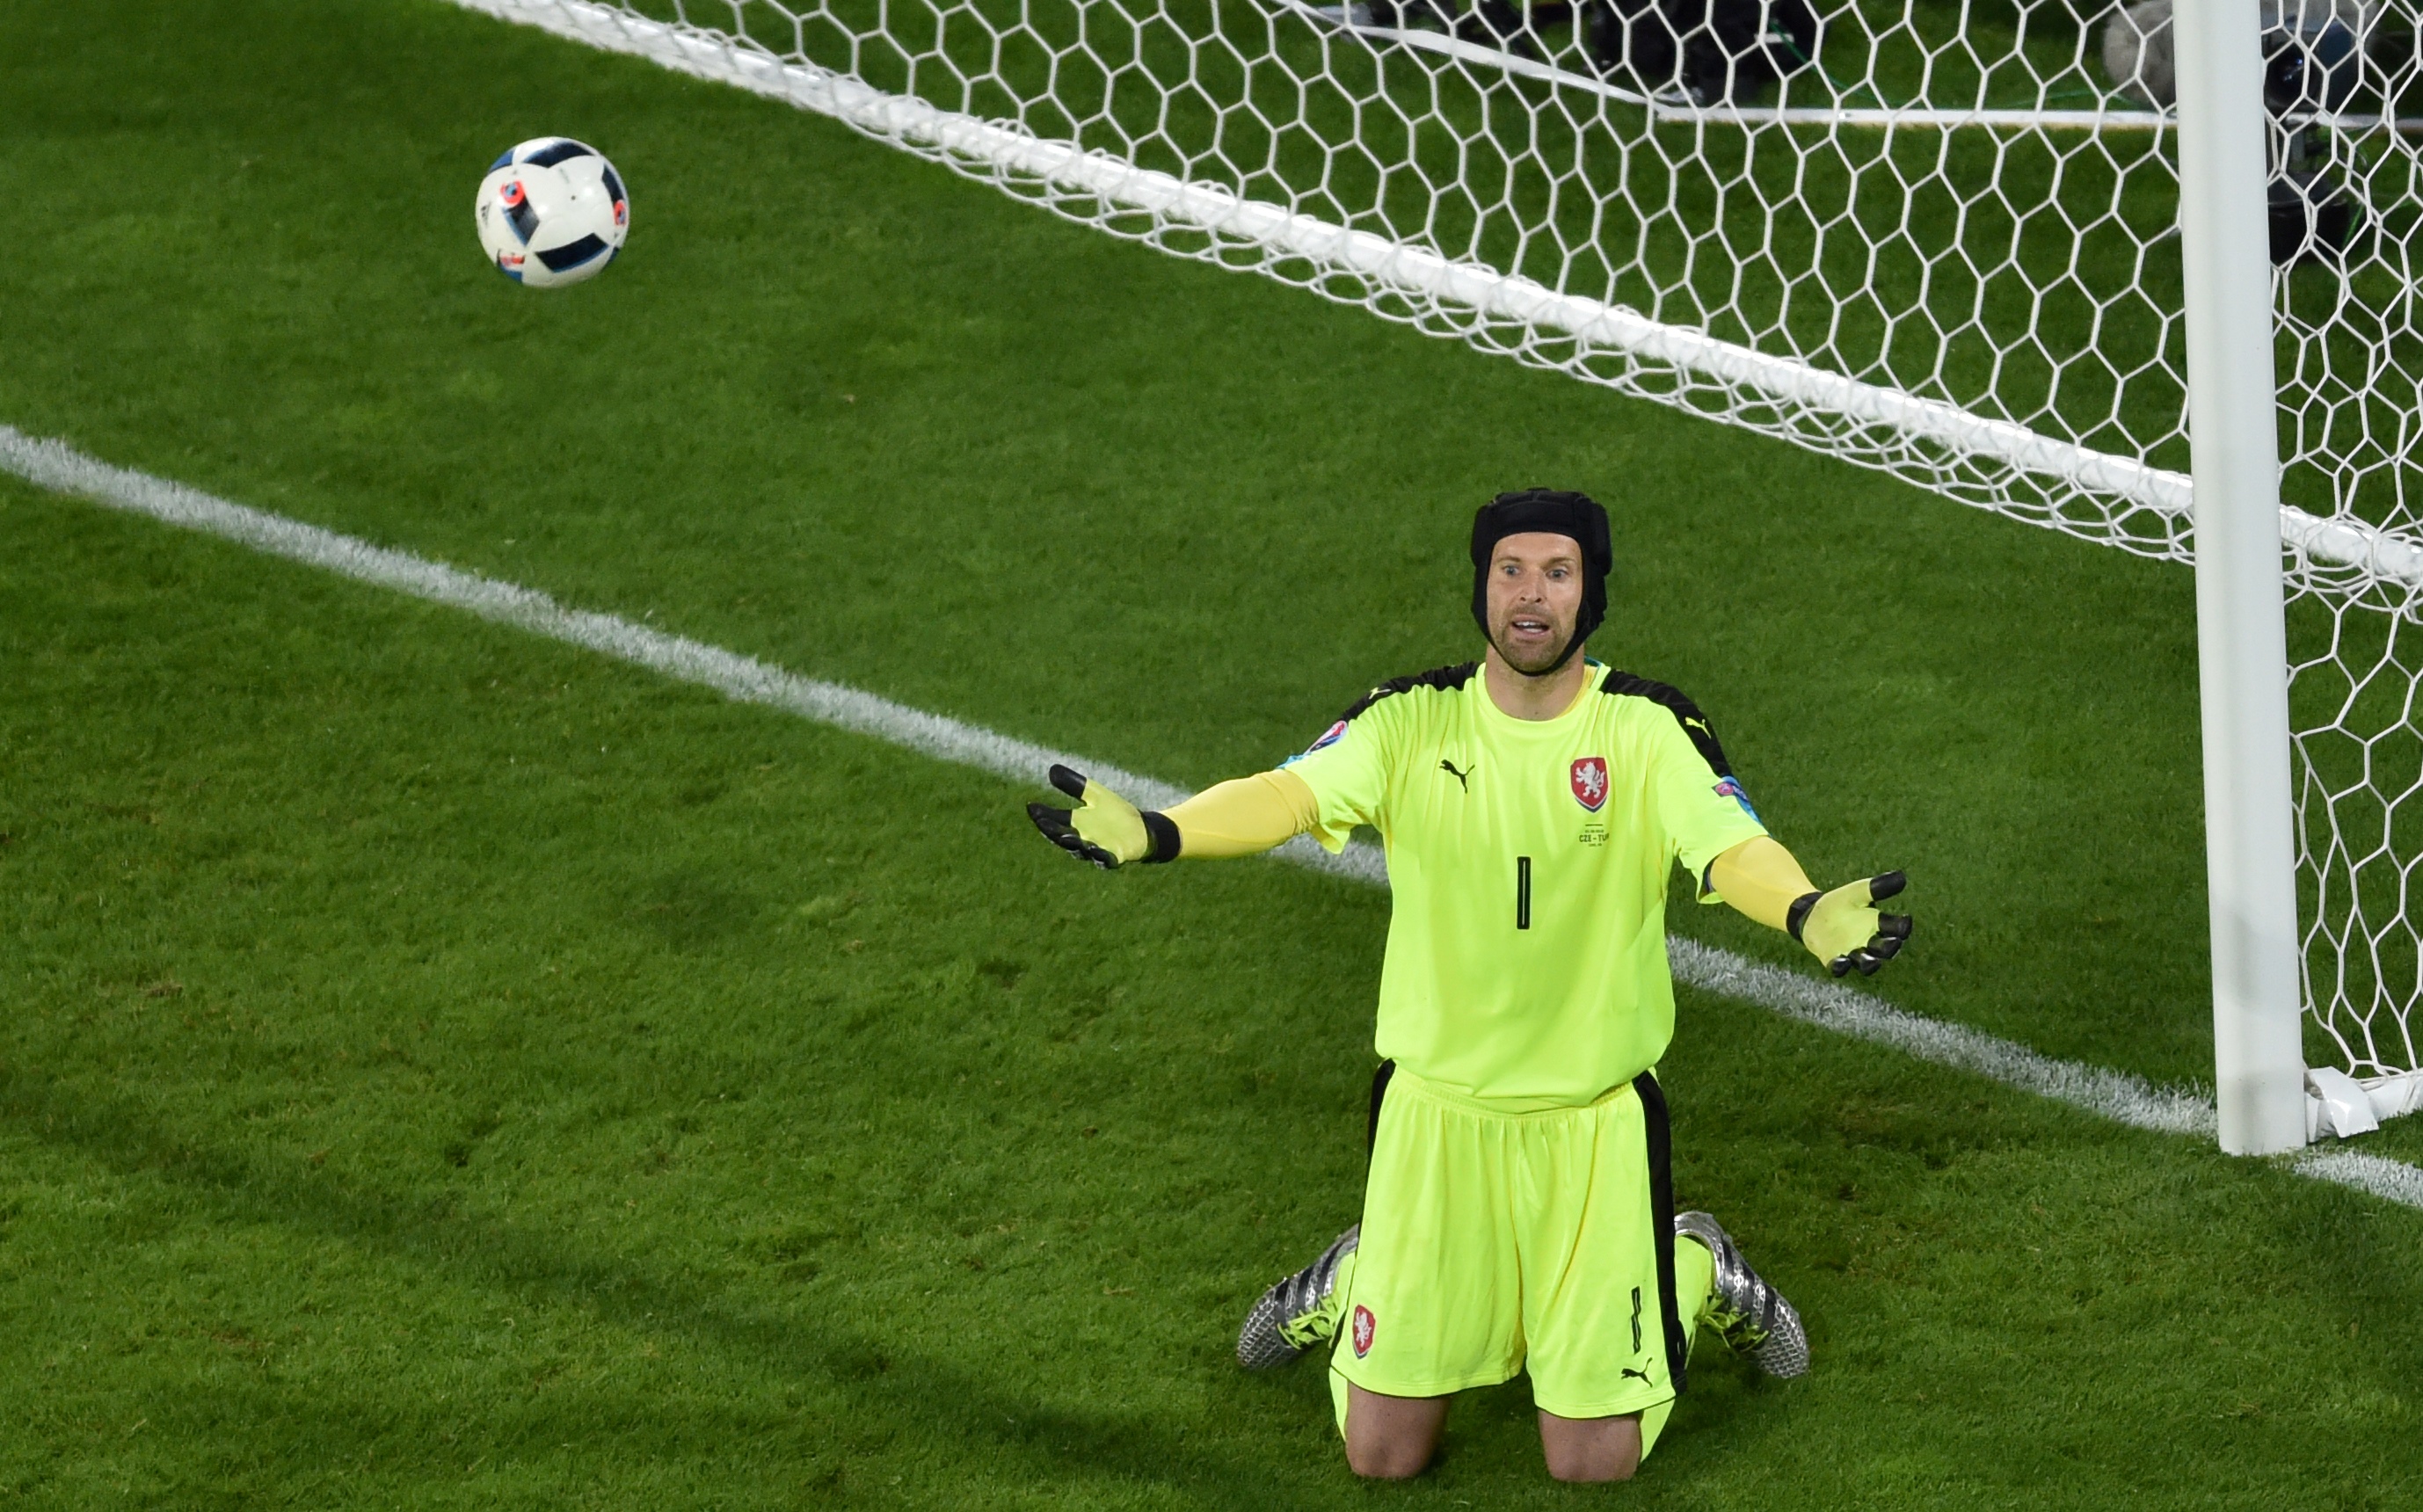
point(2313, 63)
point(1709, 54)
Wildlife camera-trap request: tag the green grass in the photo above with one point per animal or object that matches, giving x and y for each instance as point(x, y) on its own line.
point(445, 1069)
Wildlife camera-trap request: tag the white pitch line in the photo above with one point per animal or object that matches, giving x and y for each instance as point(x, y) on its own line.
point(2112, 1095)
point(2378, 1174)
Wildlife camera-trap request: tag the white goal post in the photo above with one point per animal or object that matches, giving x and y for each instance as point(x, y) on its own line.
point(2015, 256)
point(2241, 644)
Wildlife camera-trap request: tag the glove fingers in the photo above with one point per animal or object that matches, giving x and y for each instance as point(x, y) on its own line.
point(1068, 780)
point(1892, 930)
point(1886, 932)
point(1055, 827)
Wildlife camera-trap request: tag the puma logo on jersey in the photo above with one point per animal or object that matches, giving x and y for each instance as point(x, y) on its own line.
point(1462, 779)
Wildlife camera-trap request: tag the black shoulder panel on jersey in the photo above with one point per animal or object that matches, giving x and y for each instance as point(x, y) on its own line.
point(1686, 713)
point(1449, 678)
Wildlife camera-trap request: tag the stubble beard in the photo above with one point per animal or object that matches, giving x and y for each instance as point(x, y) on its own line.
point(1539, 664)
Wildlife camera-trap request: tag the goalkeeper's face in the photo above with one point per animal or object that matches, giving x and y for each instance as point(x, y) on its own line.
point(1535, 599)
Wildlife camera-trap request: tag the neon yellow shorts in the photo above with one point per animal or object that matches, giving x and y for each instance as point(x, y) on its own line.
point(1499, 1242)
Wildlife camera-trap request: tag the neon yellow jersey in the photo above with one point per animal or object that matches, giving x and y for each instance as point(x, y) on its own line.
point(1527, 861)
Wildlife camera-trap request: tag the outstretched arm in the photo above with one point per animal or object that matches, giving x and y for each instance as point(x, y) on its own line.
point(1244, 816)
point(1842, 928)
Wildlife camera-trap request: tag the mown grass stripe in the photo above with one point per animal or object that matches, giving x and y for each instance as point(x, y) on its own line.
point(2107, 1094)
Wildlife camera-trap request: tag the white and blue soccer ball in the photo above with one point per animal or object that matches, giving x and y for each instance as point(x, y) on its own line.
point(552, 211)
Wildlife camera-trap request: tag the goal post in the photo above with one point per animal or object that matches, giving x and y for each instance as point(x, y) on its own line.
point(2142, 278)
point(2241, 638)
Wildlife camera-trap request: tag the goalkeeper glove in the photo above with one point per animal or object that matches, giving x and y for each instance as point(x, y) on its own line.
point(1104, 829)
point(1843, 928)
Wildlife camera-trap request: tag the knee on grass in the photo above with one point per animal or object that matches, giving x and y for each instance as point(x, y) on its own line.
point(1390, 1437)
point(1387, 1460)
point(1591, 1470)
point(1591, 1450)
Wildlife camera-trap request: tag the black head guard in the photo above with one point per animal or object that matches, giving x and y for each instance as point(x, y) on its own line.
point(1576, 516)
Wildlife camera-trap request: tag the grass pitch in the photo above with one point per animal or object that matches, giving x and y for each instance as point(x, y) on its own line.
point(445, 1069)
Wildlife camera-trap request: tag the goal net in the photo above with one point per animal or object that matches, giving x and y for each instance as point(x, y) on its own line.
point(1928, 237)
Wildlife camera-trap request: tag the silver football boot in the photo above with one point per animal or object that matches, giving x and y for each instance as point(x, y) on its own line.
point(1297, 1313)
point(1747, 1313)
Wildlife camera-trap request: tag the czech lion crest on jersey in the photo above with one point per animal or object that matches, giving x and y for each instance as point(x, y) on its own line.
point(1588, 778)
point(1364, 1326)
point(1590, 782)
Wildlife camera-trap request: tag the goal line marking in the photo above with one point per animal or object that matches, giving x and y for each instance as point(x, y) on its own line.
point(2113, 1094)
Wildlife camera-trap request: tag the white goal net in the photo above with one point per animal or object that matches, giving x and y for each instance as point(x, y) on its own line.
point(1932, 237)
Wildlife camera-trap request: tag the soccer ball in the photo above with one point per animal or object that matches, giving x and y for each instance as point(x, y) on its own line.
point(552, 211)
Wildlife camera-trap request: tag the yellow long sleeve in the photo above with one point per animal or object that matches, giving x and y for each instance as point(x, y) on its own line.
point(1244, 816)
point(1760, 879)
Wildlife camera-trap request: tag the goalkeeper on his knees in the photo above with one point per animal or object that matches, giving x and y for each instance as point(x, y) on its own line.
point(1518, 1208)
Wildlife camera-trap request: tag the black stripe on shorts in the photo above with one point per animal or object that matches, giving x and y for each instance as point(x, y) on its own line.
point(1379, 1091)
point(1659, 1139)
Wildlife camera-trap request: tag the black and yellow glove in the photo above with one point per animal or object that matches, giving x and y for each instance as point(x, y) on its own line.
point(1843, 929)
point(1103, 828)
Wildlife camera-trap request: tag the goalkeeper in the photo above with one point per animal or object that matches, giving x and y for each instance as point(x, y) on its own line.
point(1518, 1214)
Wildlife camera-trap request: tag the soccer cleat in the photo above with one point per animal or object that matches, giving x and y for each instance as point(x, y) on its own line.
point(1747, 1311)
point(1297, 1313)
